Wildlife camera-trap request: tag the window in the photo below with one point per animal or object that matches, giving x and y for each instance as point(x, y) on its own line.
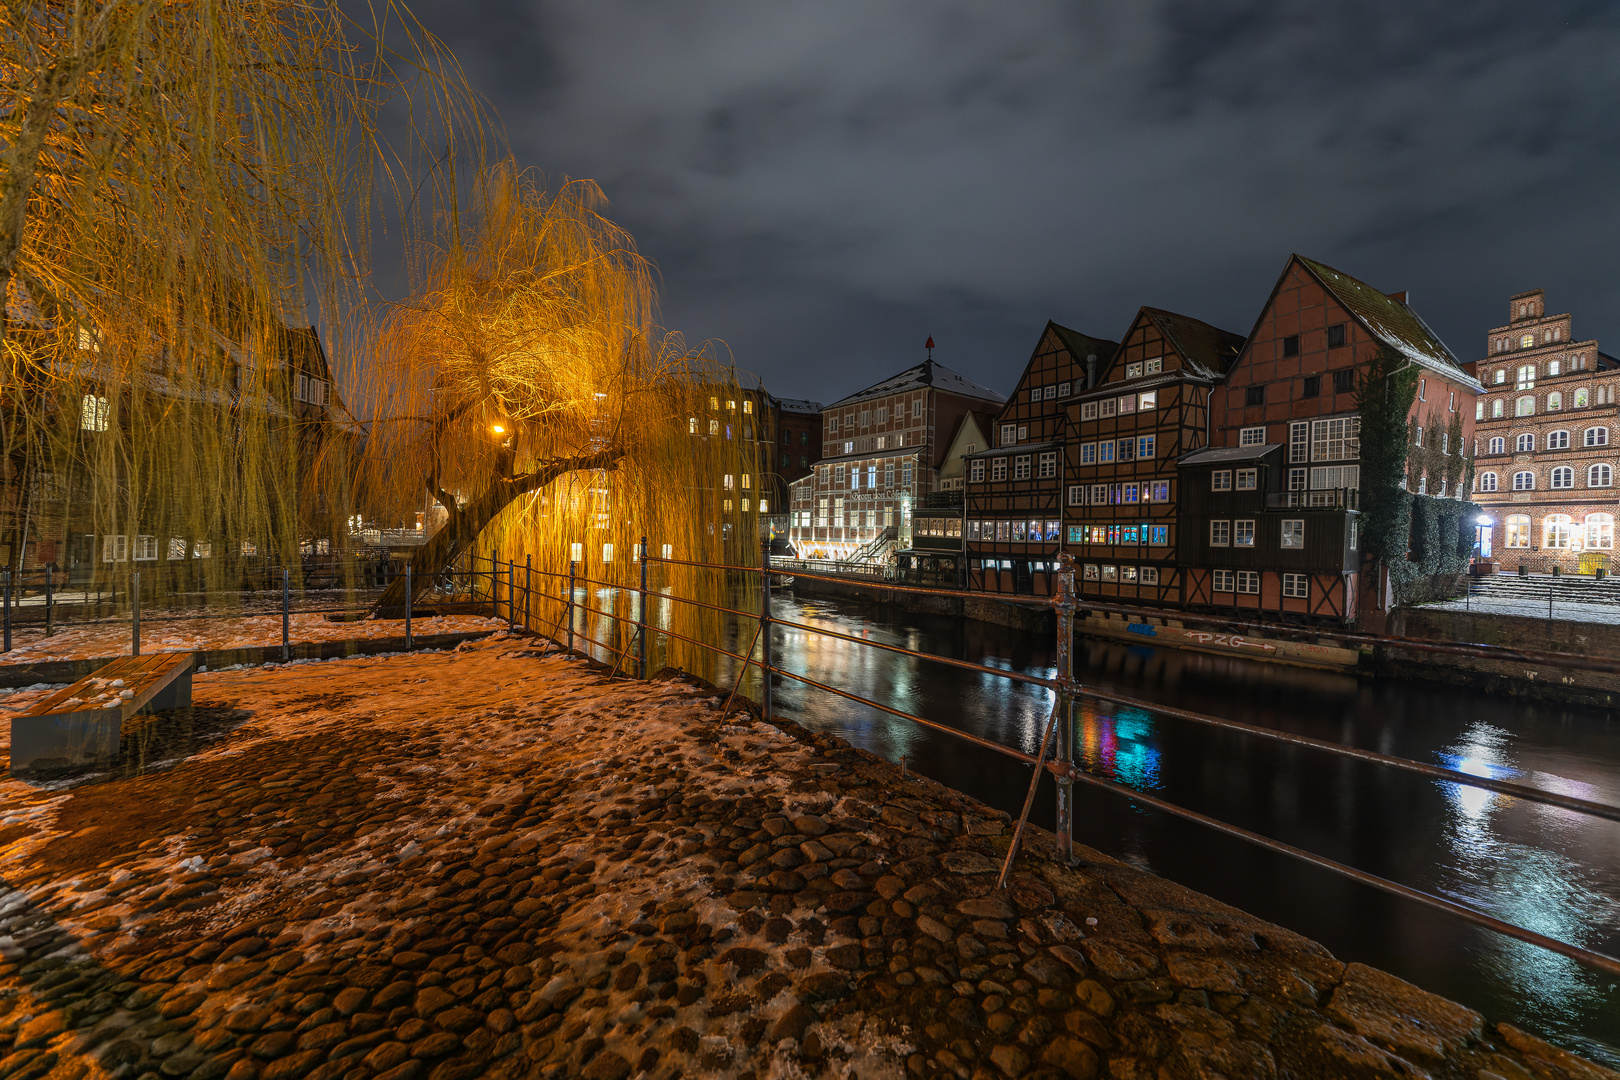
point(804, 438)
point(1161, 491)
point(1312, 386)
point(1524, 481)
point(1418, 439)
point(1019, 531)
point(1254, 395)
point(1290, 345)
point(1296, 586)
point(1223, 581)
point(1336, 440)
point(882, 442)
point(1558, 440)
point(916, 408)
point(1099, 494)
point(1088, 410)
point(1487, 481)
point(1077, 495)
point(1034, 393)
point(1527, 341)
point(1131, 492)
point(1105, 408)
point(1246, 479)
point(93, 413)
point(1555, 401)
point(1048, 465)
point(1600, 531)
point(1518, 531)
point(1355, 531)
point(905, 475)
point(1498, 445)
point(714, 427)
point(1344, 381)
point(1127, 404)
point(871, 477)
point(1526, 377)
point(1145, 445)
point(1451, 402)
point(976, 471)
point(1052, 533)
point(1299, 446)
point(1009, 434)
point(1583, 398)
point(1248, 581)
point(1110, 573)
point(1133, 371)
point(998, 469)
point(1088, 453)
point(1496, 409)
point(888, 474)
point(1296, 480)
point(1599, 476)
point(1595, 436)
point(1555, 532)
point(1148, 400)
point(1050, 393)
point(145, 548)
point(1335, 335)
point(1105, 452)
point(1220, 480)
point(748, 405)
point(1524, 444)
point(1326, 477)
point(1220, 534)
point(115, 549)
point(1479, 410)
point(1252, 436)
point(1243, 532)
point(832, 423)
point(1127, 449)
point(1150, 575)
point(1021, 467)
point(1154, 366)
point(691, 425)
point(1090, 572)
point(1159, 535)
point(1293, 533)
point(1501, 375)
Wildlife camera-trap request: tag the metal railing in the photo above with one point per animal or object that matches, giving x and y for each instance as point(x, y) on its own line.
point(1059, 731)
point(1326, 499)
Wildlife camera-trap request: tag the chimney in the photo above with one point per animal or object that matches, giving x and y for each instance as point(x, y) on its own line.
point(1398, 297)
point(1091, 370)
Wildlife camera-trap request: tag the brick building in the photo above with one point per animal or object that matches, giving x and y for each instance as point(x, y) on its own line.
point(883, 448)
point(1292, 544)
point(1545, 438)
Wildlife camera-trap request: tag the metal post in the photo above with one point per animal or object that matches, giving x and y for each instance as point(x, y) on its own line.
point(1549, 599)
point(286, 613)
point(7, 616)
point(50, 610)
point(1064, 605)
point(511, 594)
point(528, 588)
point(568, 605)
point(408, 596)
point(135, 624)
point(641, 613)
point(765, 630)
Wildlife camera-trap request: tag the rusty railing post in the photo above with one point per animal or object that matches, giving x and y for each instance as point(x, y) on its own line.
point(135, 622)
point(286, 608)
point(569, 606)
point(408, 594)
point(641, 614)
point(7, 616)
point(1063, 604)
point(511, 594)
point(528, 588)
point(765, 629)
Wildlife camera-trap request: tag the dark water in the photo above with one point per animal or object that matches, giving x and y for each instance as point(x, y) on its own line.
point(1548, 869)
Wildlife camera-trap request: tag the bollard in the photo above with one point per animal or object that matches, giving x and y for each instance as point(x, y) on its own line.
point(286, 614)
point(135, 624)
point(1064, 605)
point(7, 616)
point(408, 596)
point(765, 630)
point(641, 613)
point(568, 607)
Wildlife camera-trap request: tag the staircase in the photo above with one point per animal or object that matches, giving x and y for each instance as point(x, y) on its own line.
point(877, 549)
point(1537, 587)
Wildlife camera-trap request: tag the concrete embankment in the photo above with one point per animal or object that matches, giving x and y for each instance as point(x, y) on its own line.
point(495, 862)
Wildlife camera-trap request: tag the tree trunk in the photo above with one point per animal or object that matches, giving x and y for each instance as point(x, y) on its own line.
point(467, 522)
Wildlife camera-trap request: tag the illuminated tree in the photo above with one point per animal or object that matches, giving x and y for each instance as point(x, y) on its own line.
point(183, 185)
point(527, 390)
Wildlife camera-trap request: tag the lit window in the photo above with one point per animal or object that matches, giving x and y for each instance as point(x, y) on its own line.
point(1145, 445)
point(748, 405)
point(1555, 401)
point(1525, 406)
point(1555, 532)
point(1600, 531)
point(93, 413)
point(1496, 409)
point(1518, 531)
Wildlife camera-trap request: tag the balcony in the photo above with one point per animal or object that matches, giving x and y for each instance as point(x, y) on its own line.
point(1325, 499)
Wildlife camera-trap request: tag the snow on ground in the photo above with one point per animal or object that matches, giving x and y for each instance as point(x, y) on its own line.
point(493, 861)
point(1562, 610)
point(95, 640)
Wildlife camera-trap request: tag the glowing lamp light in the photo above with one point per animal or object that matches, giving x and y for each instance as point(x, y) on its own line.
point(497, 429)
point(1483, 519)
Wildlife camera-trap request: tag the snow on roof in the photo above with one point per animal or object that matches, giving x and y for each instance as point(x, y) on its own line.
point(799, 405)
point(1215, 455)
point(929, 373)
point(1206, 351)
point(1391, 321)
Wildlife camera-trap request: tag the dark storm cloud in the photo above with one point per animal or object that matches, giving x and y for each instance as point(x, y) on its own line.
point(823, 185)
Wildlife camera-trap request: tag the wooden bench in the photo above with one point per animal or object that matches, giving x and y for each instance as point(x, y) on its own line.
point(78, 728)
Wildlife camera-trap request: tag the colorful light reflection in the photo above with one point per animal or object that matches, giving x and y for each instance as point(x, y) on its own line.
point(1119, 746)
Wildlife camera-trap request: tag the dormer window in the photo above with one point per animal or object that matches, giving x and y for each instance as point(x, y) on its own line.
point(1133, 371)
point(1154, 366)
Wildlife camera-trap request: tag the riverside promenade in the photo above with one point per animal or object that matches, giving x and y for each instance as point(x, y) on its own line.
point(494, 862)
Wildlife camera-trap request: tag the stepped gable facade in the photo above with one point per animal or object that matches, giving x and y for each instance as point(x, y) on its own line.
point(883, 448)
point(1546, 433)
point(1279, 530)
point(1148, 408)
point(1013, 507)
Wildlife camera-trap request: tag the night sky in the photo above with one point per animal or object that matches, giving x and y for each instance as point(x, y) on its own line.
point(823, 185)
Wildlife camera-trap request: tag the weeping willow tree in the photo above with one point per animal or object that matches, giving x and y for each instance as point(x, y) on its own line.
point(179, 184)
point(527, 391)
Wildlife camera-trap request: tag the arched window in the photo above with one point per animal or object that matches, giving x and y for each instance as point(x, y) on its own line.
point(1525, 443)
point(1555, 367)
point(1479, 409)
point(1583, 398)
point(1600, 531)
point(1599, 476)
point(1501, 373)
point(1596, 436)
point(1498, 445)
point(1524, 481)
point(1563, 477)
point(1555, 401)
point(1518, 531)
point(1487, 481)
point(1558, 440)
point(1496, 409)
point(1526, 378)
point(1555, 532)
point(1525, 406)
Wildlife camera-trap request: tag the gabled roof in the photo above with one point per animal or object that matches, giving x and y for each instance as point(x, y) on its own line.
point(1391, 321)
point(1081, 345)
point(1206, 351)
point(929, 373)
point(799, 405)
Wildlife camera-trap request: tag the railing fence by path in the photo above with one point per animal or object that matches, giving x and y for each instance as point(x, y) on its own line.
point(1059, 732)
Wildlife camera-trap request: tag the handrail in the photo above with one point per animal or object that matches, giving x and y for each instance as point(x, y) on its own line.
point(1008, 598)
point(705, 566)
point(1017, 676)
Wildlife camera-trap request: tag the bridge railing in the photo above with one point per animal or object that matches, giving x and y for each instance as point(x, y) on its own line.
point(513, 585)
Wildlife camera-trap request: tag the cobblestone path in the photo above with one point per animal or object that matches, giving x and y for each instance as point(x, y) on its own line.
point(495, 863)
